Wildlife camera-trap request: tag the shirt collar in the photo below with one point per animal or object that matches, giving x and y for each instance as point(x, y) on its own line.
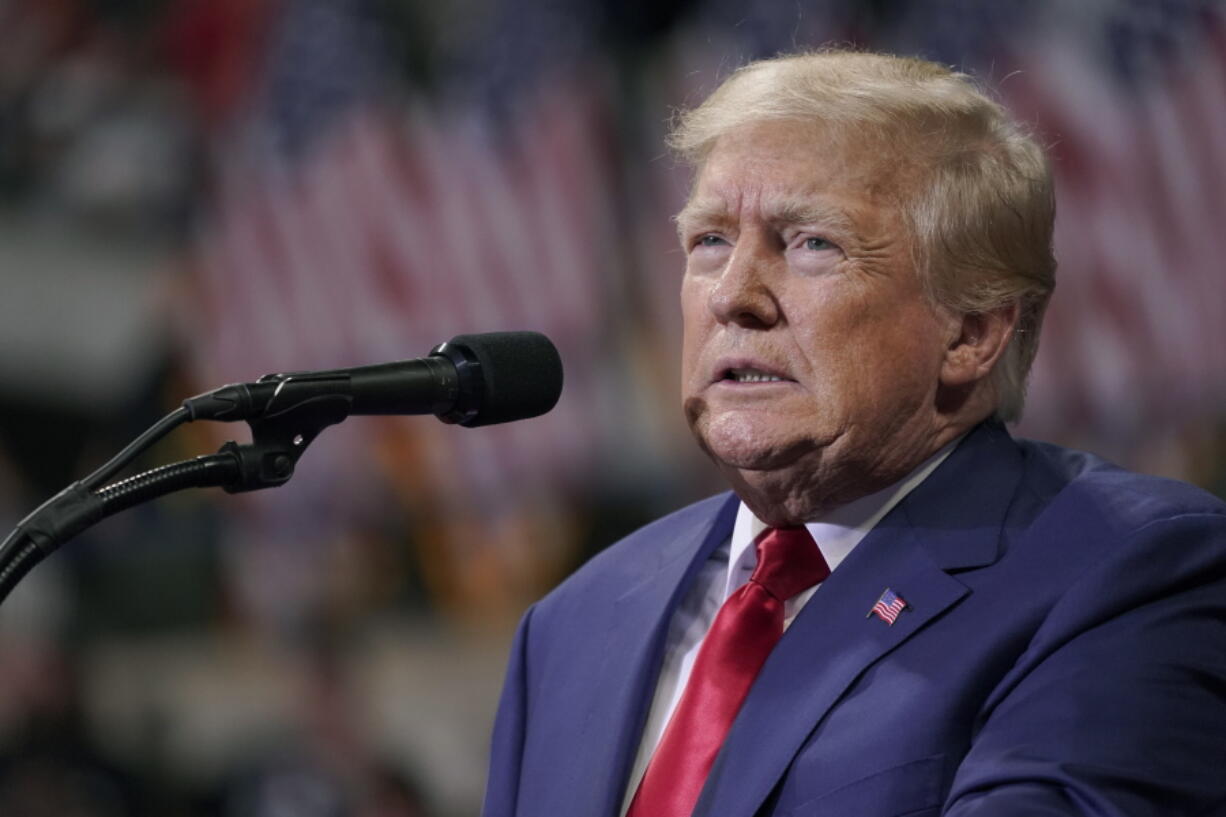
point(837, 532)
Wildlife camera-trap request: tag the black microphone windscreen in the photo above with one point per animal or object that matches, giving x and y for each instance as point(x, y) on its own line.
point(521, 372)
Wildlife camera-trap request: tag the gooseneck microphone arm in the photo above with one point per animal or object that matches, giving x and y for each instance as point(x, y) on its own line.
point(472, 380)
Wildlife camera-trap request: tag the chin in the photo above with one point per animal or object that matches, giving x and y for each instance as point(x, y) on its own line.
point(749, 452)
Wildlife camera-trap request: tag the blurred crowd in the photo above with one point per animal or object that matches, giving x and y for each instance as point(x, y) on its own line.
point(196, 192)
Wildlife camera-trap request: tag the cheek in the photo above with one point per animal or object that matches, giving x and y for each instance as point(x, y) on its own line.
point(694, 292)
point(695, 323)
point(902, 355)
point(862, 347)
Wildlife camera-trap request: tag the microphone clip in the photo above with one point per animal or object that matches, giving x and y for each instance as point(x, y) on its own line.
point(278, 441)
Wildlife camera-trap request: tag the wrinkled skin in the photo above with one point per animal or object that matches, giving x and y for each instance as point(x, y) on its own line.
point(814, 368)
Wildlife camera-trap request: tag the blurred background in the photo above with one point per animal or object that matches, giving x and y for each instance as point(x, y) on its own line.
point(197, 192)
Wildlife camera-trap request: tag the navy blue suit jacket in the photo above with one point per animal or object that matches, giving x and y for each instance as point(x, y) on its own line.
point(1064, 653)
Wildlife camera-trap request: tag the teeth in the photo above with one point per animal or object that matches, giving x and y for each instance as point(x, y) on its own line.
point(752, 376)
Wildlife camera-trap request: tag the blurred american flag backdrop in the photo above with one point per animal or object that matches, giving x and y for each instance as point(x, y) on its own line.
point(302, 184)
point(355, 219)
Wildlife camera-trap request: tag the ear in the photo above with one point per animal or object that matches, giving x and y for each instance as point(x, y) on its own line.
point(980, 340)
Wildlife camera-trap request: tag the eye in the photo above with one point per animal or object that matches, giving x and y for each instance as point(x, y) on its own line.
point(817, 244)
point(710, 240)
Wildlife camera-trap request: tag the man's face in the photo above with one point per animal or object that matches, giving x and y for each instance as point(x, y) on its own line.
point(811, 354)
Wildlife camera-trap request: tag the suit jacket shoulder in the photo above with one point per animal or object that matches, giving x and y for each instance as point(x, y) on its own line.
point(643, 553)
point(1118, 499)
point(584, 660)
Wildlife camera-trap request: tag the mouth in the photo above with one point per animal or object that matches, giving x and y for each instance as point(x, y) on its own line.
point(750, 374)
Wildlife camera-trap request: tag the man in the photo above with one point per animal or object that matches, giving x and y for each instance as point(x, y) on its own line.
point(940, 619)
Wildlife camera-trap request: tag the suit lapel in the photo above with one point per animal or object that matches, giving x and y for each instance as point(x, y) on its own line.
point(628, 656)
point(950, 522)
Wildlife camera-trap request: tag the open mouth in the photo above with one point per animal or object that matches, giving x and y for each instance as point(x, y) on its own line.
point(749, 375)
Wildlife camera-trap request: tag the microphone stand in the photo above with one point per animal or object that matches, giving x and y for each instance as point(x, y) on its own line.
point(278, 441)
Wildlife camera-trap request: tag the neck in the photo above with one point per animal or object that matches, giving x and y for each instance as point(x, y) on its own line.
point(831, 477)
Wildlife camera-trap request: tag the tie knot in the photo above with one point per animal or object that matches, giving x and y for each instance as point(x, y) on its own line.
point(789, 561)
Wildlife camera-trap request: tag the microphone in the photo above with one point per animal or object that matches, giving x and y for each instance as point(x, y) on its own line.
point(473, 380)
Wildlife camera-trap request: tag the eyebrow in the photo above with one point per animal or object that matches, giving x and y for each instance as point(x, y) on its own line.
point(782, 211)
point(807, 211)
point(701, 211)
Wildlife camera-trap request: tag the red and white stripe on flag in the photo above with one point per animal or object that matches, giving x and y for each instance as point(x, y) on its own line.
point(1136, 333)
point(397, 232)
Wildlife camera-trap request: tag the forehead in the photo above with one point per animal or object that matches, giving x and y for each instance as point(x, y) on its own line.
point(791, 169)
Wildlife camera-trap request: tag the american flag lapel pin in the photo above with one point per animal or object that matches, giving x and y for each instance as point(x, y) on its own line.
point(888, 607)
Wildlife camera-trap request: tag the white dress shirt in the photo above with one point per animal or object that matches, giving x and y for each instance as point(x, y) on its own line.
point(730, 567)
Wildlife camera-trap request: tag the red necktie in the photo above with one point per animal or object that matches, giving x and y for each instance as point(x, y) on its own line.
point(741, 637)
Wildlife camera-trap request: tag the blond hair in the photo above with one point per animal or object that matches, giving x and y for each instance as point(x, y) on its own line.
point(983, 210)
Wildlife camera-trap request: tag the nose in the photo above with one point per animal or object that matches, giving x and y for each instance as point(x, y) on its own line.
point(742, 295)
